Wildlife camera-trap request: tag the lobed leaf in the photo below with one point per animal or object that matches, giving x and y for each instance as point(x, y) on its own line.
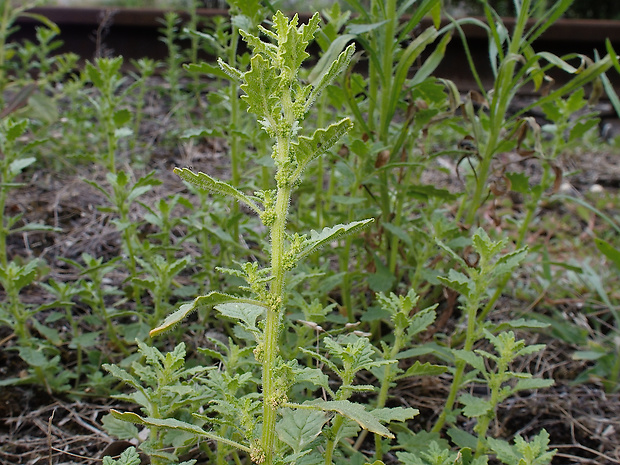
point(209, 300)
point(390, 414)
point(293, 43)
point(470, 358)
point(206, 182)
point(352, 411)
point(328, 57)
point(261, 88)
point(475, 406)
point(308, 148)
point(423, 369)
point(233, 73)
point(327, 235)
point(532, 384)
point(129, 456)
point(244, 312)
point(174, 424)
point(118, 428)
point(457, 281)
point(17, 166)
point(334, 70)
point(298, 428)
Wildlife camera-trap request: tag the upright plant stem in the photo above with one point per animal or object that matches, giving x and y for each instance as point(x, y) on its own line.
point(531, 210)
point(3, 227)
point(388, 375)
point(276, 292)
point(4, 26)
point(387, 59)
point(470, 339)
point(235, 120)
point(272, 325)
point(502, 95)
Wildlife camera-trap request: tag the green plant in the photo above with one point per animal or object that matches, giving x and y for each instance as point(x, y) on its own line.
point(494, 371)
point(146, 68)
point(129, 456)
point(473, 284)
point(275, 96)
point(395, 106)
point(224, 42)
point(165, 389)
point(515, 64)
point(106, 77)
point(122, 193)
point(96, 295)
point(407, 323)
point(9, 12)
point(494, 130)
point(17, 274)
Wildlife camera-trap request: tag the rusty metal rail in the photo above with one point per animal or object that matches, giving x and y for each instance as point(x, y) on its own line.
point(133, 33)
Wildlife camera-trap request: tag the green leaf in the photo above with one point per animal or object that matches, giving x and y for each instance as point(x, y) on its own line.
point(48, 333)
point(206, 182)
point(298, 428)
point(508, 262)
point(421, 320)
point(532, 384)
point(43, 108)
point(457, 281)
point(33, 357)
point(121, 117)
point(35, 227)
point(123, 375)
point(334, 70)
point(292, 41)
point(608, 250)
point(41, 18)
point(423, 369)
point(308, 148)
point(519, 182)
point(327, 235)
point(520, 323)
point(388, 415)
point(475, 406)
point(232, 73)
point(118, 428)
point(327, 59)
point(581, 128)
point(406, 60)
point(261, 87)
point(17, 166)
point(355, 412)
point(462, 438)
point(428, 191)
point(357, 29)
point(174, 424)
point(209, 300)
point(211, 70)
point(504, 451)
point(382, 279)
point(16, 129)
point(200, 133)
point(244, 312)
point(129, 456)
point(470, 358)
point(399, 232)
